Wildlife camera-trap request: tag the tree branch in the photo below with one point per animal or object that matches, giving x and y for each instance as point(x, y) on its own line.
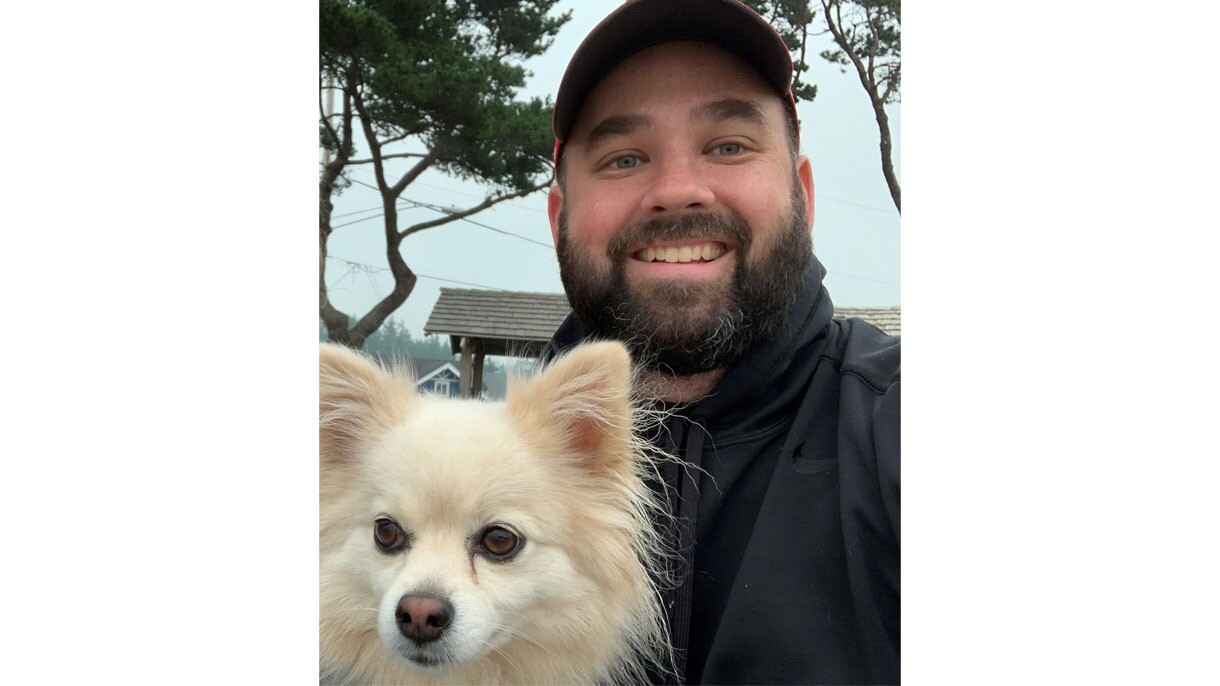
point(413, 173)
point(874, 42)
point(404, 283)
point(804, 44)
point(395, 139)
point(371, 137)
point(386, 157)
point(888, 80)
point(473, 210)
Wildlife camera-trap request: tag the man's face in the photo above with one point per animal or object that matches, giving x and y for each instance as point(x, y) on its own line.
point(682, 226)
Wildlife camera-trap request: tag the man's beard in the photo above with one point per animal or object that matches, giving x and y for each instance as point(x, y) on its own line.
point(682, 327)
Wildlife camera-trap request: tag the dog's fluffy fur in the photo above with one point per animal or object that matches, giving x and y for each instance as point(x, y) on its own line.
point(558, 464)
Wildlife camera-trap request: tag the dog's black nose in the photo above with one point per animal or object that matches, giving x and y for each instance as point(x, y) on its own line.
point(422, 617)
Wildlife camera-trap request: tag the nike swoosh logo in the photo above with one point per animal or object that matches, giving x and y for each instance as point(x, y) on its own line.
point(804, 465)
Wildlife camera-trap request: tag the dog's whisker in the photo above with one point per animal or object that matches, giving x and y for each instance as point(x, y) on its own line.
point(354, 610)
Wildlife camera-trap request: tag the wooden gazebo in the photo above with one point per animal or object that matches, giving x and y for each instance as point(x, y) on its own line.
point(888, 319)
point(484, 322)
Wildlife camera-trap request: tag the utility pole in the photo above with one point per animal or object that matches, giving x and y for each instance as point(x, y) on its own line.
point(330, 111)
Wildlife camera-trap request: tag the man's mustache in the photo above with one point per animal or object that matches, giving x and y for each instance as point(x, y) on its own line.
point(715, 226)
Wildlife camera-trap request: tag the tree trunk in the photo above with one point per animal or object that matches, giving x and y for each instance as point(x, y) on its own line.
point(835, 24)
point(887, 155)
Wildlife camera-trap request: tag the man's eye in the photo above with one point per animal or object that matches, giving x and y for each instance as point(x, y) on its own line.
point(728, 149)
point(625, 162)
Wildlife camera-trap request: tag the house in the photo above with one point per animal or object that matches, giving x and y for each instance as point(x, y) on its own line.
point(442, 377)
point(439, 377)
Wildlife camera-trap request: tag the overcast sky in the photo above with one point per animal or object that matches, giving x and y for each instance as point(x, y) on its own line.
point(855, 229)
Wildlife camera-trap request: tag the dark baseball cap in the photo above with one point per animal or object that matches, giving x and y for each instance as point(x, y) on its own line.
point(639, 24)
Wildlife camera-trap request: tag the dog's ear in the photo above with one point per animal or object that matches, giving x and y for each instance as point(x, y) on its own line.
point(358, 400)
point(584, 400)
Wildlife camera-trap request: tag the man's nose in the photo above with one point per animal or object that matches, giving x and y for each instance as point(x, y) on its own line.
point(678, 185)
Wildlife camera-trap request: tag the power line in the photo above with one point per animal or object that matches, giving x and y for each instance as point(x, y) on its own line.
point(438, 208)
point(379, 215)
point(376, 208)
point(514, 203)
point(353, 263)
point(369, 269)
point(856, 204)
point(464, 283)
point(442, 210)
point(357, 221)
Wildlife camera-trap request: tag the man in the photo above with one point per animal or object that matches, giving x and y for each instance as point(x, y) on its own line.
point(682, 219)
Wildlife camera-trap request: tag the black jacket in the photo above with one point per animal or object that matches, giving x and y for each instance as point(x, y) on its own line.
point(796, 567)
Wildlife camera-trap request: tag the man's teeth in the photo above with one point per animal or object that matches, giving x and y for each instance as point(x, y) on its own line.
point(687, 253)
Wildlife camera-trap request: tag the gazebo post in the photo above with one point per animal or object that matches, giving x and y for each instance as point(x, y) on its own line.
point(477, 387)
point(465, 373)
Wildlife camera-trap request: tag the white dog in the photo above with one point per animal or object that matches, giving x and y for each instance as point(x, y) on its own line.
point(468, 542)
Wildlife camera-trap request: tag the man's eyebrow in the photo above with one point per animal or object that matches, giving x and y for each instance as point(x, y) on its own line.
point(618, 125)
point(731, 108)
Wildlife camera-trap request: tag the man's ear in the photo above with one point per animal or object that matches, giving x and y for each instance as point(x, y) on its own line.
point(804, 173)
point(554, 205)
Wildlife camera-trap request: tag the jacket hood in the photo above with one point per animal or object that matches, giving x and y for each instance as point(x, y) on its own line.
point(751, 395)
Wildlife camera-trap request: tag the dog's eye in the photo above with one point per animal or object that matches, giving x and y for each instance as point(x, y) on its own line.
point(499, 542)
point(390, 537)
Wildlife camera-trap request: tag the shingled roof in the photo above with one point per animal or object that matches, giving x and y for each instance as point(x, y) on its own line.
point(508, 322)
point(520, 323)
point(888, 319)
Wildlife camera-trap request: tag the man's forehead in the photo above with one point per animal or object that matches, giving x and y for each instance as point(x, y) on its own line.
point(695, 76)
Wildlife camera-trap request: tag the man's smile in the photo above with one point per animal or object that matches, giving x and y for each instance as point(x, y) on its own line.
point(686, 259)
point(672, 252)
